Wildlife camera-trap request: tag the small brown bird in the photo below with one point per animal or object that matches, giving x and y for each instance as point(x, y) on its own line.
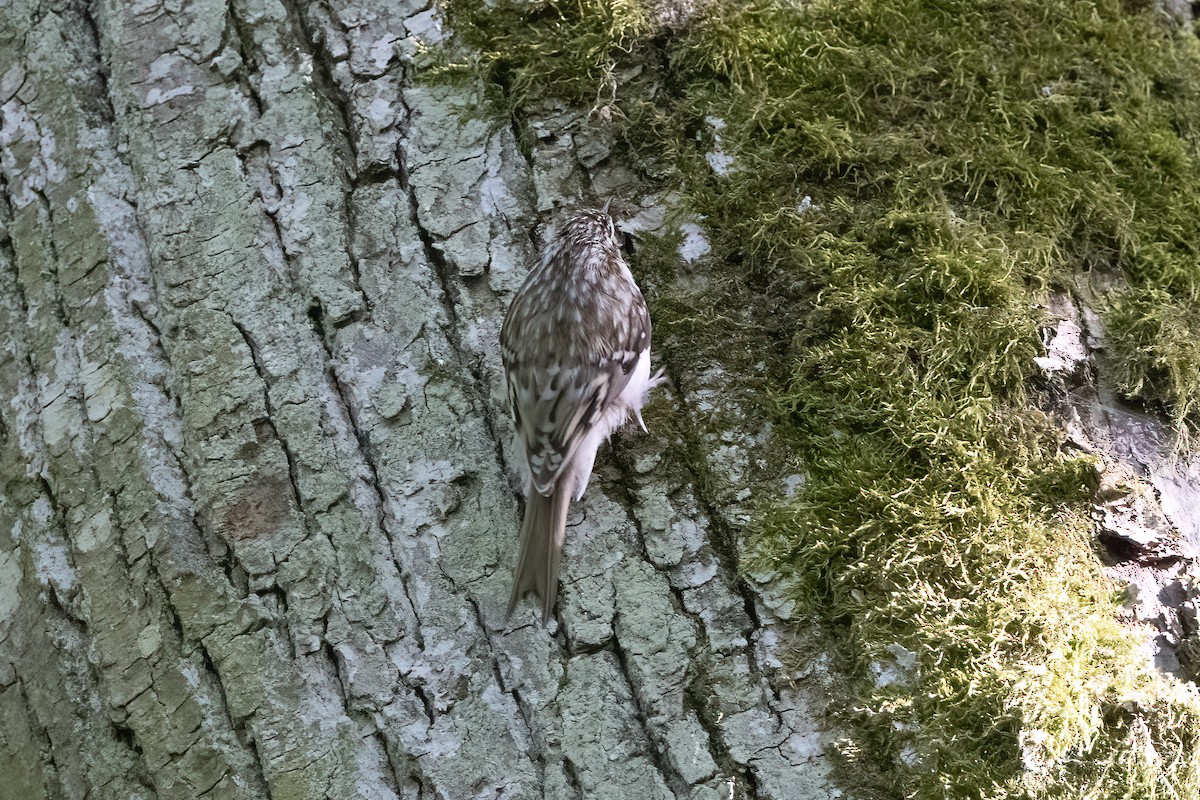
point(576, 351)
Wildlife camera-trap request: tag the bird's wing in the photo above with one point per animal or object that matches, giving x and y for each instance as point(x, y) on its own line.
point(560, 392)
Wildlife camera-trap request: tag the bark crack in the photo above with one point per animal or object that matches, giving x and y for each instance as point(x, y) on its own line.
point(654, 744)
point(573, 777)
point(269, 406)
point(42, 736)
point(326, 85)
point(452, 329)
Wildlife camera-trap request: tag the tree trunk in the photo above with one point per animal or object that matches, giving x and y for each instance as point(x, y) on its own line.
point(256, 524)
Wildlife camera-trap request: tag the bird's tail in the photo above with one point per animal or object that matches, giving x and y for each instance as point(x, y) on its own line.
point(542, 534)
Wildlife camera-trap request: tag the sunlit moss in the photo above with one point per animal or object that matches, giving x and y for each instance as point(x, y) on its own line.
point(570, 49)
point(907, 181)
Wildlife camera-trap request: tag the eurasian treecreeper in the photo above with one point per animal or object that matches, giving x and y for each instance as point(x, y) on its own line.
point(576, 351)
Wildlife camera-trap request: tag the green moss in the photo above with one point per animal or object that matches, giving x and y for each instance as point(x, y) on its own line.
point(569, 49)
point(962, 159)
point(1156, 347)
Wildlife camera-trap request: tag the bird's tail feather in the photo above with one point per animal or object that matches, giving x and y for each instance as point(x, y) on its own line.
point(542, 533)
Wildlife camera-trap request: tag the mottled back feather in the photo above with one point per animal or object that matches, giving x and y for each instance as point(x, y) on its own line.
point(569, 342)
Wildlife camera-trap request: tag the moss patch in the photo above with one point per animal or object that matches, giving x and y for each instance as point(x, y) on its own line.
point(906, 179)
point(570, 49)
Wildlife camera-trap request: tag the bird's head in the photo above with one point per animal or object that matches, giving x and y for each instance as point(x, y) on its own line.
point(592, 226)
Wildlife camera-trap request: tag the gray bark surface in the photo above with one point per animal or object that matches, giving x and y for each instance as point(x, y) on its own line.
point(257, 528)
point(1147, 503)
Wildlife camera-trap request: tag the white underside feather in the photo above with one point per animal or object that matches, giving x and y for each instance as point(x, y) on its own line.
point(628, 403)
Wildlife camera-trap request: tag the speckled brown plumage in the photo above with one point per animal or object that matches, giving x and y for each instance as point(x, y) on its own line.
point(576, 352)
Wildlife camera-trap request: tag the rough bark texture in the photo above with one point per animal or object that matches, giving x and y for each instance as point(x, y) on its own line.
point(1147, 503)
point(256, 522)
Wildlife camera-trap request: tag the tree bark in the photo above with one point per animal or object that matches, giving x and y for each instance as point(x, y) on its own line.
point(257, 528)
